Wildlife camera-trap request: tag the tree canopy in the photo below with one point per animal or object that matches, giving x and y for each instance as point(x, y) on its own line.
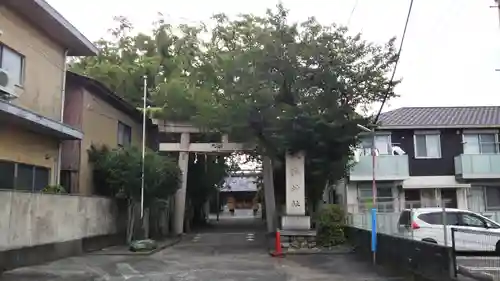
point(284, 86)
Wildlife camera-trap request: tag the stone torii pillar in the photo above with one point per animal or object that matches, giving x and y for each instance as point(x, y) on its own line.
point(180, 195)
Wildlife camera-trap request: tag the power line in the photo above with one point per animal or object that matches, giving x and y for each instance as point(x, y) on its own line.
point(352, 12)
point(396, 63)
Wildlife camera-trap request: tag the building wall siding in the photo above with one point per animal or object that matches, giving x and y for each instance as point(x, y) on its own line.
point(22, 146)
point(44, 65)
point(451, 146)
point(100, 127)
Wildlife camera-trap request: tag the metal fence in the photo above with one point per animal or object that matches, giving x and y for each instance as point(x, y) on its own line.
point(476, 249)
point(388, 213)
point(476, 252)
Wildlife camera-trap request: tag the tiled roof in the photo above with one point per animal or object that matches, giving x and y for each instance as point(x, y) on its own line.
point(436, 117)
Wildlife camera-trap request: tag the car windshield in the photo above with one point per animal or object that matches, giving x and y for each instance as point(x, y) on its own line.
point(492, 224)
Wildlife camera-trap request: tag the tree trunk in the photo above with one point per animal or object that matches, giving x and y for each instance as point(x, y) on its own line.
point(130, 221)
point(145, 223)
point(269, 198)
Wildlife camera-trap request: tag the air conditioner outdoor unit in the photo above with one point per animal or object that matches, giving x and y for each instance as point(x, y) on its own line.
point(6, 86)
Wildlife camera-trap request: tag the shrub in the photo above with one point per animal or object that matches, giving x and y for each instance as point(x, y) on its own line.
point(330, 226)
point(55, 189)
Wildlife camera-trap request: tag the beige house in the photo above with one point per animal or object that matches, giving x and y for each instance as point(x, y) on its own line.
point(104, 118)
point(35, 41)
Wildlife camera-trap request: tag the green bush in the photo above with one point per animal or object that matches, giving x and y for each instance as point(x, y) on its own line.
point(330, 226)
point(55, 189)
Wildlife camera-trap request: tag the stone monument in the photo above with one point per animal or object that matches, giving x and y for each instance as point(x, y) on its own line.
point(295, 217)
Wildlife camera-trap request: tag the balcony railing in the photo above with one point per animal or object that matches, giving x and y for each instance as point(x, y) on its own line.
point(477, 166)
point(387, 168)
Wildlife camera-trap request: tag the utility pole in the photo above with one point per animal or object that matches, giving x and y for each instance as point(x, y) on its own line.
point(374, 192)
point(143, 142)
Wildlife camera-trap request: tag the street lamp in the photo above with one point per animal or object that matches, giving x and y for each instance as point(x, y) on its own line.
point(374, 192)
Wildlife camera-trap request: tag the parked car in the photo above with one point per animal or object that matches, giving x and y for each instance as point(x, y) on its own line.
point(473, 231)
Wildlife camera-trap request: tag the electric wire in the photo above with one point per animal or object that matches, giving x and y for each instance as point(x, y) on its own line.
point(352, 12)
point(391, 81)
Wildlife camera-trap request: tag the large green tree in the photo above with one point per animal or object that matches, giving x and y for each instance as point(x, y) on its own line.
point(283, 86)
point(291, 87)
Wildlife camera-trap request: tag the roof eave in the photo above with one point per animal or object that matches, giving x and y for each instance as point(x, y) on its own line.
point(48, 19)
point(425, 127)
point(82, 46)
point(104, 92)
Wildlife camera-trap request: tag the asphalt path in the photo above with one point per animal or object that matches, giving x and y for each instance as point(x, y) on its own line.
point(234, 248)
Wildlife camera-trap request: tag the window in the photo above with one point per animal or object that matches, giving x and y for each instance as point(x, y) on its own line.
point(382, 144)
point(7, 172)
point(449, 197)
point(480, 143)
point(412, 198)
point(436, 218)
point(42, 178)
point(427, 146)
point(24, 177)
point(385, 201)
point(492, 197)
point(13, 62)
point(124, 134)
point(472, 220)
point(66, 180)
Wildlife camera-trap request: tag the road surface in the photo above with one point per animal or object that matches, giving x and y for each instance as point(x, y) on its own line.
point(231, 250)
point(490, 265)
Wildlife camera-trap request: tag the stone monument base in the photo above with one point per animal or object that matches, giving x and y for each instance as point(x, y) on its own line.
point(296, 222)
point(296, 232)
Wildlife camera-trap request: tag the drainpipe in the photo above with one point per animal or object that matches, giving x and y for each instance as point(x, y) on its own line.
point(63, 98)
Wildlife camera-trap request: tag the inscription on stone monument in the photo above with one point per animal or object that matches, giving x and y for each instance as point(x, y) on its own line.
point(295, 194)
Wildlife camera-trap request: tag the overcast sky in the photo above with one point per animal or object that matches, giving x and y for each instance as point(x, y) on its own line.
point(449, 58)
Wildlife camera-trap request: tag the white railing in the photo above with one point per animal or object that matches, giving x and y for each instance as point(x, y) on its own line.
point(387, 223)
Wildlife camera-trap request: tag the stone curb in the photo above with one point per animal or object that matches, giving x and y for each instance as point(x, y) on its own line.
point(317, 252)
point(129, 253)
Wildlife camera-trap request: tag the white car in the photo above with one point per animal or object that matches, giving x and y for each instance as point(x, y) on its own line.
point(473, 231)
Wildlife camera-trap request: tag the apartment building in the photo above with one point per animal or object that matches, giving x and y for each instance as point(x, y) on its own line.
point(428, 155)
point(35, 41)
point(105, 119)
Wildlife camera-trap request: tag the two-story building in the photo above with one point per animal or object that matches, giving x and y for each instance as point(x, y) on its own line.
point(35, 41)
point(429, 155)
point(105, 119)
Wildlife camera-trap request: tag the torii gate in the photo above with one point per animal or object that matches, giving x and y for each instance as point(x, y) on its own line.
point(295, 193)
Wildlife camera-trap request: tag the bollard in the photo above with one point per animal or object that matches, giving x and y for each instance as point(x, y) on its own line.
point(277, 247)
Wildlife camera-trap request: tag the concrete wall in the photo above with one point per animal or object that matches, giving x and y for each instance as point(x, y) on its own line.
point(30, 219)
point(44, 64)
